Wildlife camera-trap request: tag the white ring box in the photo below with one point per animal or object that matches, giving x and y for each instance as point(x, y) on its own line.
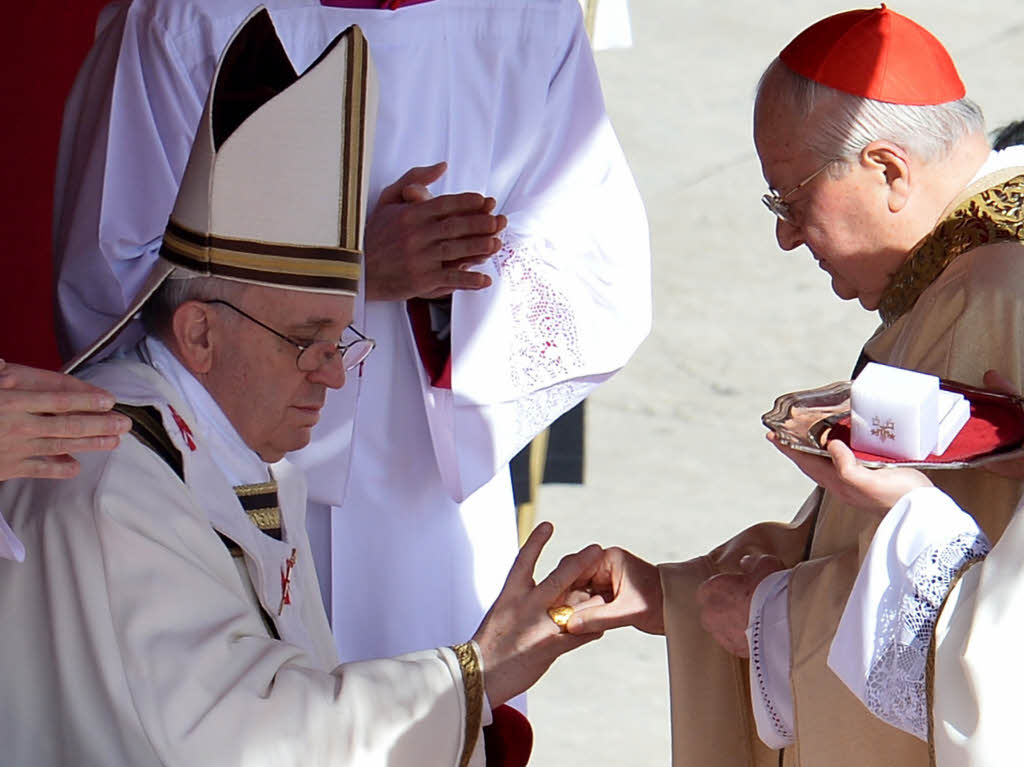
point(903, 414)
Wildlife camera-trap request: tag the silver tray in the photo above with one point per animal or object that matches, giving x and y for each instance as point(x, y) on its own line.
point(803, 420)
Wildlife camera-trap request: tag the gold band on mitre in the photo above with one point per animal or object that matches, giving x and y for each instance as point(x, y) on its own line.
point(270, 263)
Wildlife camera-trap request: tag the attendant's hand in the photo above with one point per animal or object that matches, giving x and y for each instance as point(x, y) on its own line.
point(422, 246)
point(724, 601)
point(630, 589)
point(518, 639)
point(872, 490)
point(1013, 468)
point(46, 416)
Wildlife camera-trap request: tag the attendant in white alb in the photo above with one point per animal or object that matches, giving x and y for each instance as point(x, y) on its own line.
point(502, 286)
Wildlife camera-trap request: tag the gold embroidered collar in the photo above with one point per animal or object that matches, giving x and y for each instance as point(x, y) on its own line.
point(992, 215)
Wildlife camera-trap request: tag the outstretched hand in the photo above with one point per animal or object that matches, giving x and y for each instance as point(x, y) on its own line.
point(518, 639)
point(47, 416)
point(418, 245)
point(872, 490)
point(725, 598)
point(630, 595)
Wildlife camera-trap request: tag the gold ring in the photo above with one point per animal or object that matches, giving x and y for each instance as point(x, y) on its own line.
point(561, 615)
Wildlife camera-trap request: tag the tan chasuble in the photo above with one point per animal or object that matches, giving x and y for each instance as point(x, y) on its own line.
point(955, 309)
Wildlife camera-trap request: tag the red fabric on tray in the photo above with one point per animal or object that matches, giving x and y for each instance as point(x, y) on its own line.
point(996, 424)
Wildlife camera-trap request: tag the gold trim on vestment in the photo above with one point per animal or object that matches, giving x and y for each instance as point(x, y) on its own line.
point(993, 215)
point(257, 489)
point(473, 684)
point(265, 519)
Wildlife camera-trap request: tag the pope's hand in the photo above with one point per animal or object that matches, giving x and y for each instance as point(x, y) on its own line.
point(47, 416)
point(518, 639)
point(872, 490)
point(630, 591)
point(418, 245)
point(724, 601)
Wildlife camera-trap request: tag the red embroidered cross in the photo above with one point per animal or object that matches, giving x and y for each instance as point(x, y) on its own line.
point(286, 582)
point(186, 432)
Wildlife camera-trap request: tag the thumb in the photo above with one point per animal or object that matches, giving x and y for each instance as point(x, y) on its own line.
point(760, 563)
point(422, 175)
point(994, 380)
point(416, 193)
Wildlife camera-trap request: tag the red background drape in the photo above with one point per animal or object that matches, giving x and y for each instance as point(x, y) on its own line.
point(41, 47)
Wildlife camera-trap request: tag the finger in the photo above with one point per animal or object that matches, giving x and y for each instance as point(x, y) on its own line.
point(65, 445)
point(57, 467)
point(572, 569)
point(33, 379)
point(416, 193)
point(451, 280)
point(601, 617)
point(480, 226)
point(996, 381)
point(462, 264)
point(447, 205)
point(843, 457)
point(75, 426)
point(424, 174)
point(20, 401)
point(526, 561)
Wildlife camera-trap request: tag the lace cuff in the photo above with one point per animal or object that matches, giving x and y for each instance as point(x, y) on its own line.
point(768, 639)
point(881, 647)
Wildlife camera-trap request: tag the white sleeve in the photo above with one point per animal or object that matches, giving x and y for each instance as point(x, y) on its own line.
point(768, 638)
point(124, 143)
point(10, 546)
point(571, 294)
point(880, 649)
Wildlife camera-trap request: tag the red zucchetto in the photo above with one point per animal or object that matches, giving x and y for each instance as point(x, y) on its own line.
point(877, 54)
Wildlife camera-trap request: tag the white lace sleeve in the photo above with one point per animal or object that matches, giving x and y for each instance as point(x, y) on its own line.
point(881, 646)
point(768, 640)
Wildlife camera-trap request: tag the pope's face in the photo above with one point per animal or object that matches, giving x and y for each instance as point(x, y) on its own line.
point(843, 221)
point(253, 375)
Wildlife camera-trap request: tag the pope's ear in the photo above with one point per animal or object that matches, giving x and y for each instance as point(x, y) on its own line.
point(190, 326)
point(892, 164)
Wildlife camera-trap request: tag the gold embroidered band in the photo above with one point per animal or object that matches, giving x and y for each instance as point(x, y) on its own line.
point(261, 506)
point(992, 215)
point(473, 685)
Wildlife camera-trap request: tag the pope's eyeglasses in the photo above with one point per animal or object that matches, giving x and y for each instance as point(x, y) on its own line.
point(778, 204)
point(316, 355)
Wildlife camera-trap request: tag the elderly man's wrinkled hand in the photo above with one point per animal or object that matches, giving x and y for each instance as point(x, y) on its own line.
point(518, 638)
point(724, 601)
point(45, 417)
point(418, 245)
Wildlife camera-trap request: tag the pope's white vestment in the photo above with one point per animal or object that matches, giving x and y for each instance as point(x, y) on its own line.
point(131, 635)
point(507, 93)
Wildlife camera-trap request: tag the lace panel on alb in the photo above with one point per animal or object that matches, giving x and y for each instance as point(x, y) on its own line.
point(544, 348)
point(895, 690)
point(543, 354)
